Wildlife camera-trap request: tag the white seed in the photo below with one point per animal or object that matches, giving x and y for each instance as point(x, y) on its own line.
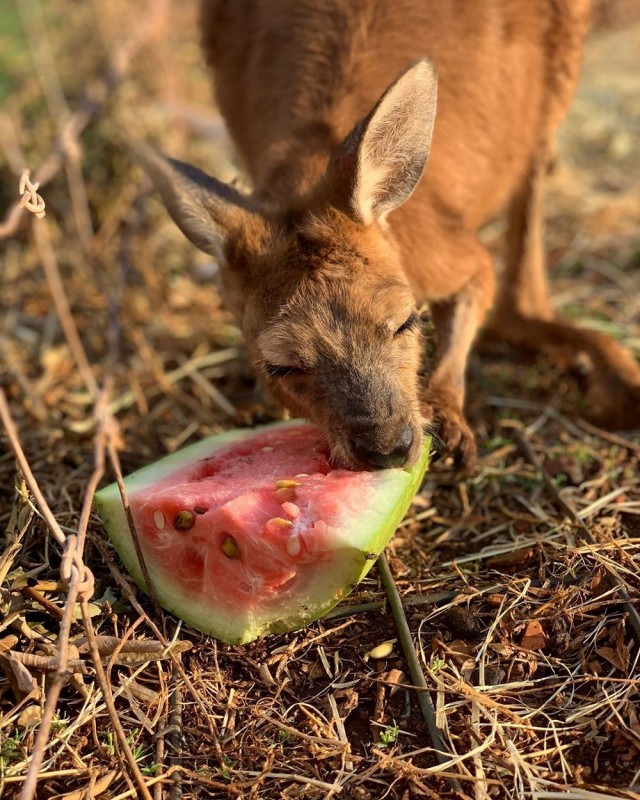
point(293, 546)
point(158, 518)
point(382, 650)
point(291, 510)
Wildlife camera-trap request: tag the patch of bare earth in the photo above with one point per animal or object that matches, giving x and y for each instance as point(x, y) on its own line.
point(520, 585)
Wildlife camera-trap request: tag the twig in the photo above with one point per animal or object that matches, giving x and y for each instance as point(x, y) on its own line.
point(61, 303)
point(72, 571)
point(115, 463)
point(174, 739)
point(576, 428)
point(568, 508)
point(122, 583)
point(415, 670)
point(31, 200)
point(12, 433)
point(436, 598)
point(109, 702)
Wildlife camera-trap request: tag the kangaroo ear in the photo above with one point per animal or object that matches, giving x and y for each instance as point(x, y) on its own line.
point(379, 164)
point(210, 213)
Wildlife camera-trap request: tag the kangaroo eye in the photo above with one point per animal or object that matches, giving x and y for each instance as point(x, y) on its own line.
point(411, 323)
point(275, 371)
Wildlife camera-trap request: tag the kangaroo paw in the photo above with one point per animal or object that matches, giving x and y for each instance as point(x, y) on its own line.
point(452, 432)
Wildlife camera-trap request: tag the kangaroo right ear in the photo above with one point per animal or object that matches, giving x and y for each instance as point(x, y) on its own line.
point(209, 213)
point(379, 164)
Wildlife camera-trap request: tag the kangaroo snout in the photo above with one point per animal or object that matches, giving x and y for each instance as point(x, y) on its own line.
point(368, 449)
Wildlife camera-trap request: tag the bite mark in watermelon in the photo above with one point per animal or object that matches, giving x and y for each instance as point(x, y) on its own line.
point(252, 532)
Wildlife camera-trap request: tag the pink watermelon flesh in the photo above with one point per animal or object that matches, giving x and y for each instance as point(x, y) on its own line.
point(252, 531)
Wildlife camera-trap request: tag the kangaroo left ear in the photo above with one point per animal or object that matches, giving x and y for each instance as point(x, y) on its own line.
point(210, 213)
point(379, 164)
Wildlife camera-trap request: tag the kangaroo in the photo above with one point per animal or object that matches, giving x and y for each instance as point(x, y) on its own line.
point(331, 105)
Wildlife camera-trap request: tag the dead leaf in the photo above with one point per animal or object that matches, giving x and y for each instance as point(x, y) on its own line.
point(392, 679)
point(515, 560)
point(495, 600)
point(24, 680)
point(620, 660)
point(534, 637)
point(8, 642)
point(30, 717)
point(266, 676)
point(92, 789)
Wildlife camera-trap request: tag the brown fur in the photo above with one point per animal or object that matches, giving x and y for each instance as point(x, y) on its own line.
point(317, 273)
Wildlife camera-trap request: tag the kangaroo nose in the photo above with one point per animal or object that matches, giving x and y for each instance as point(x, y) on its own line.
point(365, 450)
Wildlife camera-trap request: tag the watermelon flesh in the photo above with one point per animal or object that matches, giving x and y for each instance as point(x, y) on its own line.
point(252, 532)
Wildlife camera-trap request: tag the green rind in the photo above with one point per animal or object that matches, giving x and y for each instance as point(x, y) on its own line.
point(358, 554)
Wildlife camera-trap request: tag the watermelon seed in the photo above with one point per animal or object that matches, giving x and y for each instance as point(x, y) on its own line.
point(200, 510)
point(230, 547)
point(382, 650)
point(286, 484)
point(280, 522)
point(184, 521)
point(158, 518)
point(291, 510)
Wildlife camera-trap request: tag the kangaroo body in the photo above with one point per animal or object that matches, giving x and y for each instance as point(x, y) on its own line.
point(344, 234)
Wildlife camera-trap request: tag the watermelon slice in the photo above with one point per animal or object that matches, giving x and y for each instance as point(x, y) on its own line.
point(252, 532)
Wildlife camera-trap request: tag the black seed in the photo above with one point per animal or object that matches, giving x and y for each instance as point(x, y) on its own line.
point(183, 521)
point(200, 510)
point(462, 622)
point(370, 556)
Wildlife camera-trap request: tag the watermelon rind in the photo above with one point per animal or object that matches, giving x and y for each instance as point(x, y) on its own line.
point(357, 546)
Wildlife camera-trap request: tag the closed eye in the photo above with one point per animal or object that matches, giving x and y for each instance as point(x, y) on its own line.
point(275, 371)
point(411, 323)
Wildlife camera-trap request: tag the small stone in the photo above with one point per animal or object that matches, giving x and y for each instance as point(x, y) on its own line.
point(158, 518)
point(230, 547)
point(184, 521)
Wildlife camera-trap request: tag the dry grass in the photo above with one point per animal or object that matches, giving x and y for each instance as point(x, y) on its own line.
point(114, 346)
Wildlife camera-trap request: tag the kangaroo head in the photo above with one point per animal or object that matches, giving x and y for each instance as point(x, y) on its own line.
point(319, 291)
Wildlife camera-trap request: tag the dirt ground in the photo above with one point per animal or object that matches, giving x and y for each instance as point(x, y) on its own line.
point(520, 584)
